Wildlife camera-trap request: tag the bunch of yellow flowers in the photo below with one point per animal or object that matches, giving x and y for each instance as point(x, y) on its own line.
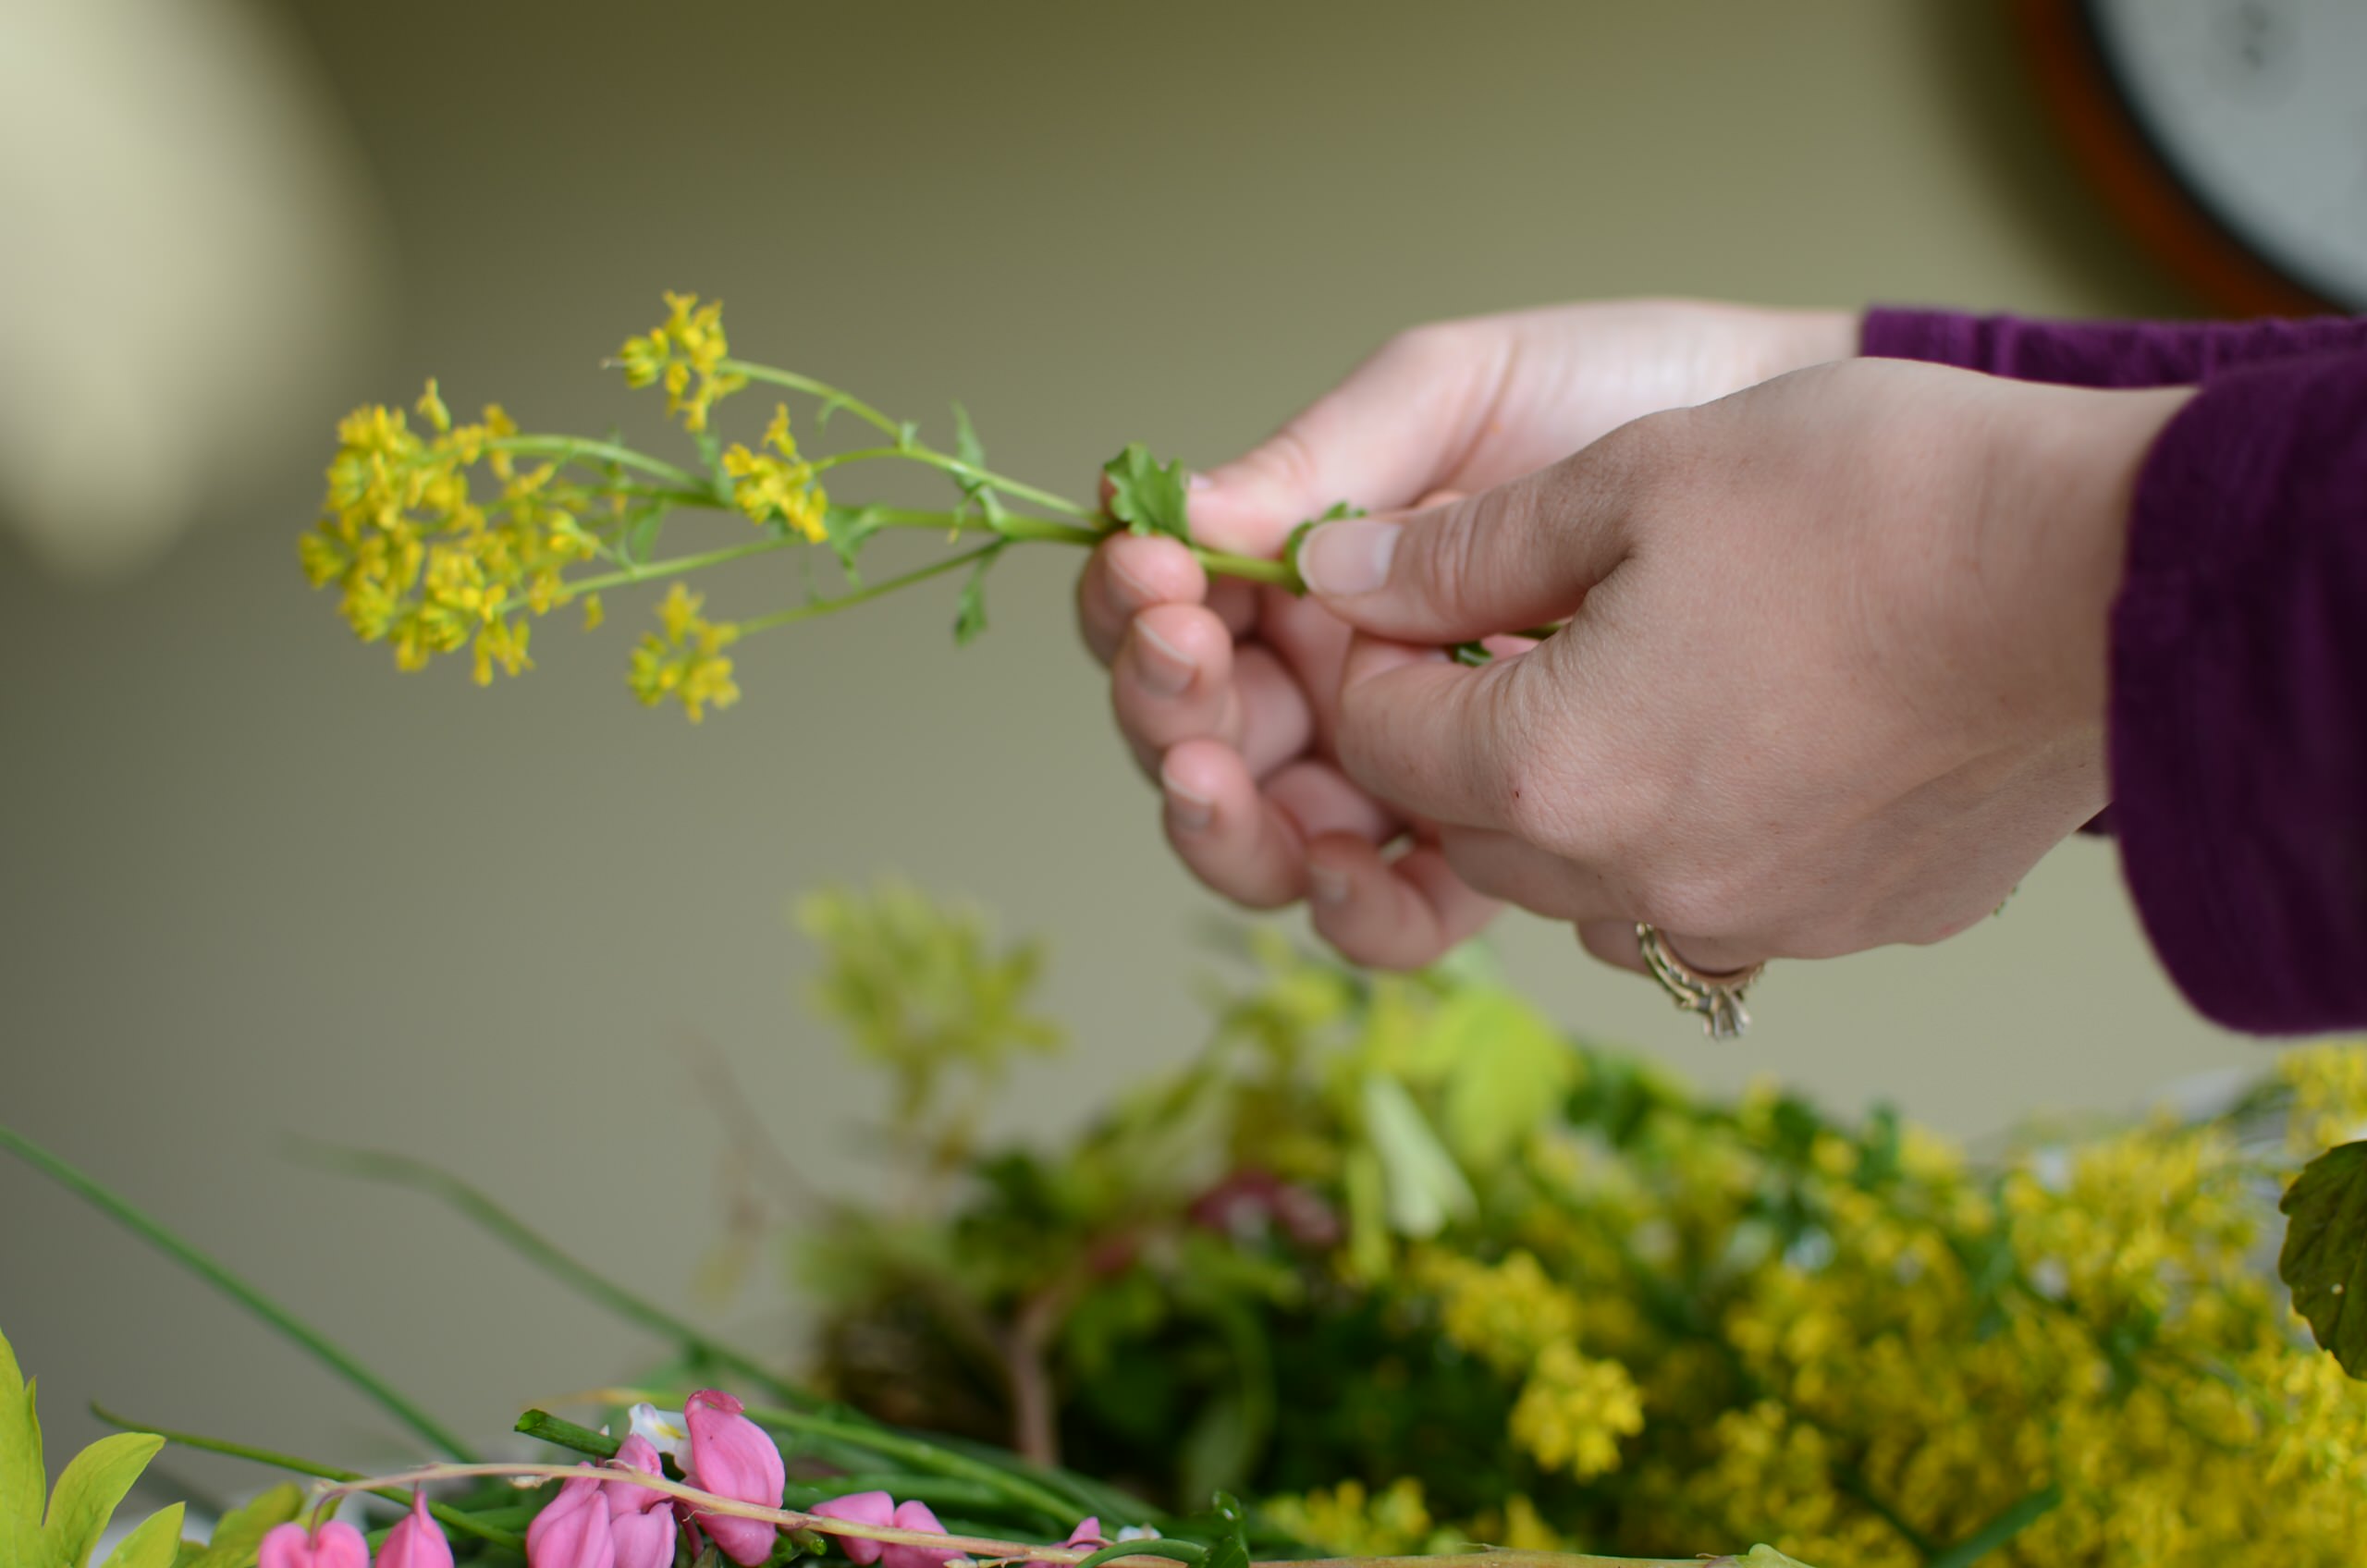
point(426, 560)
point(1398, 1261)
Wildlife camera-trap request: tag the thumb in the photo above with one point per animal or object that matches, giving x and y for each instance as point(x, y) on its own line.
point(1509, 559)
point(1392, 432)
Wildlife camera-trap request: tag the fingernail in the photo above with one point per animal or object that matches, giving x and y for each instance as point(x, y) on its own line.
point(1351, 557)
point(1187, 808)
point(1164, 668)
point(1327, 884)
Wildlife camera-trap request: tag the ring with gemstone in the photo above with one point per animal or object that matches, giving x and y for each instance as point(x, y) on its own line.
point(1716, 997)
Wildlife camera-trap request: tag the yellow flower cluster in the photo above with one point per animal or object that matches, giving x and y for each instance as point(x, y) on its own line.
point(1573, 1410)
point(688, 344)
point(421, 561)
point(1507, 1314)
point(779, 485)
point(685, 662)
point(1352, 1522)
point(2329, 1089)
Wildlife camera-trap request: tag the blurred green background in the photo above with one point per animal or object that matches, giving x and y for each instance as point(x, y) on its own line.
point(253, 883)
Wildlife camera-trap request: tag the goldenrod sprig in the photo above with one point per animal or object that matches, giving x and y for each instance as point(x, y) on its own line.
point(431, 558)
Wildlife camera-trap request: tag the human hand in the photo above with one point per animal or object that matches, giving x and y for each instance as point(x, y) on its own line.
point(1225, 694)
point(1834, 671)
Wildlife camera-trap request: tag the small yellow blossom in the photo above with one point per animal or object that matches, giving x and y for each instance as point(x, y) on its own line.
point(779, 485)
point(594, 612)
point(685, 662)
point(1346, 1520)
point(431, 407)
point(1574, 1410)
point(688, 343)
point(1506, 1312)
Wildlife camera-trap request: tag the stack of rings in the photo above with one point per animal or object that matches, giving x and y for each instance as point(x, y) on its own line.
point(1717, 997)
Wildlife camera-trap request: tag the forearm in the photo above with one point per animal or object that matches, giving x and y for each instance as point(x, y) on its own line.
point(2102, 354)
point(2238, 696)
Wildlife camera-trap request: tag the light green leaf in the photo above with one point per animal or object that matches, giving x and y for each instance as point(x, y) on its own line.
point(1425, 1188)
point(153, 1544)
point(970, 450)
point(970, 612)
point(2323, 1261)
point(1367, 1193)
point(96, 1480)
point(241, 1530)
point(1146, 497)
point(24, 1484)
point(1511, 1070)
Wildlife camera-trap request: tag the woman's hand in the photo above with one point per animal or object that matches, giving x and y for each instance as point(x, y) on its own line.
point(1833, 676)
point(1226, 695)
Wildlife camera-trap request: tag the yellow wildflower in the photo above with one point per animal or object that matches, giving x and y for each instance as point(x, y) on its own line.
point(431, 407)
point(778, 486)
point(1574, 1410)
point(1506, 1313)
point(689, 342)
point(686, 661)
point(1346, 1520)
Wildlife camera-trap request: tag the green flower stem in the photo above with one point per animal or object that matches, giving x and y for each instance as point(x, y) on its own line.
point(959, 470)
point(832, 396)
point(653, 570)
point(457, 1518)
point(1257, 568)
point(543, 1427)
point(288, 1325)
point(569, 449)
point(473, 1205)
point(918, 1454)
point(819, 607)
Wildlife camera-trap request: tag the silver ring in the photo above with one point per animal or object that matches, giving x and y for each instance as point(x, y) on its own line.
point(1717, 997)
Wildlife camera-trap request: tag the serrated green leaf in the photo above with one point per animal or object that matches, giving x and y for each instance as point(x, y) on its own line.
point(153, 1544)
point(2323, 1261)
point(1147, 497)
point(1297, 536)
point(1510, 1072)
point(24, 1484)
point(970, 614)
point(239, 1533)
point(1425, 1188)
point(1233, 1552)
point(94, 1481)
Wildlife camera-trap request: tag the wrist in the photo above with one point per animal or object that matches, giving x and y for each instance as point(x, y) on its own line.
point(2080, 455)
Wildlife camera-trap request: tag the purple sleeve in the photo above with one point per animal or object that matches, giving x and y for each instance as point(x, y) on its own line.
point(2238, 722)
point(2101, 353)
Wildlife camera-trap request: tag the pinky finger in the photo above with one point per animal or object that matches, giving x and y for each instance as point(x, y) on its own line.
point(1399, 914)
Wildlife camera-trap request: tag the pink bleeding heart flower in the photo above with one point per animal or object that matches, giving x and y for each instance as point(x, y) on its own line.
point(733, 1457)
point(417, 1541)
point(636, 1452)
point(914, 1515)
point(335, 1545)
point(572, 1529)
point(644, 1539)
point(859, 1508)
point(1087, 1536)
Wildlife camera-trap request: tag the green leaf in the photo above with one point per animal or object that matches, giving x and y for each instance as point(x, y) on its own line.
point(970, 450)
point(847, 528)
point(639, 542)
point(94, 1481)
point(970, 612)
point(153, 1544)
point(1425, 1188)
point(2324, 1258)
point(241, 1531)
point(1145, 497)
point(23, 1483)
point(1297, 536)
point(711, 453)
point(1510, 1072)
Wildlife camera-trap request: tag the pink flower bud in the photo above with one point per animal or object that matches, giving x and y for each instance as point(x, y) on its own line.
point(334, 1545)
point(915, 1515)
point(1087, 1536)
point(859, 1508)
point(636, 1452)
point(572, 1529)
point(731, 1457)
point(417, 1541)
point(643, 1539)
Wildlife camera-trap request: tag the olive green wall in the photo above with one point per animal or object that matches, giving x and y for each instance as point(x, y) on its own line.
point(253, 883)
